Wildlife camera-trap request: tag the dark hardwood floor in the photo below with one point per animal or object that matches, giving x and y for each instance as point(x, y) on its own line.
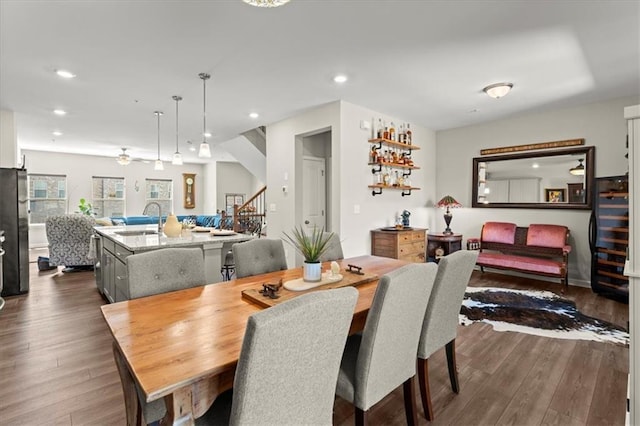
point(56, 365)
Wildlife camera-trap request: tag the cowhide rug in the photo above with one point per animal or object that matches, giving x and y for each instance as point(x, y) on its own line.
point(535, 312)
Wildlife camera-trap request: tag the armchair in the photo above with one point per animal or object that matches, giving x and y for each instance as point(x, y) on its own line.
point(69, 239)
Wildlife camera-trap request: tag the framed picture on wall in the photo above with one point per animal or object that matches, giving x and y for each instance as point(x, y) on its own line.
point(232, 199)
point(555, 195)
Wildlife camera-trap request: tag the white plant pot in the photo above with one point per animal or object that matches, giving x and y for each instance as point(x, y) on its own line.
point(312, 272)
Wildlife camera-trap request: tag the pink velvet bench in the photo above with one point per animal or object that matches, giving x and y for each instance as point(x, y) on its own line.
point(536, 249)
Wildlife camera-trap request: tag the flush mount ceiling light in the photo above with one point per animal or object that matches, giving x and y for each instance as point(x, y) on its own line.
point(59, 112)
point(266, 3)
point(498, 90)
point(56, 133)
point(254, 115)
point(123, 159)
point(340, 78)
point(205, 151)
point(578, 170)
point(158, 164)
point(177, 157)
point(65, 74)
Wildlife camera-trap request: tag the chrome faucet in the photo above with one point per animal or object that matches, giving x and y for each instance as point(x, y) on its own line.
point(159, 214)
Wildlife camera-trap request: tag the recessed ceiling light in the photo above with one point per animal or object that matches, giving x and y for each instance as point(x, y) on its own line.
point(340, 78)
point(57, 133)
point(65, 74)
point(207, 135)
point(535, 165)
point(59, 111)
point(254, 115)
point(498, 90)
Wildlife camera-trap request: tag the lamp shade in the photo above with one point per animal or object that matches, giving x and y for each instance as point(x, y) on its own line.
point(205, 151)
point(449, 202)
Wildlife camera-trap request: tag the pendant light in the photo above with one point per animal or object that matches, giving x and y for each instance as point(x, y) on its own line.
point(177, 157)
point(205, 151)
point(158, 165)
point(578, 170)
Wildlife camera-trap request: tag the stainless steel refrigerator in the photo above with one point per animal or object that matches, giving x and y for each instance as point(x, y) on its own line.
point(14, 221)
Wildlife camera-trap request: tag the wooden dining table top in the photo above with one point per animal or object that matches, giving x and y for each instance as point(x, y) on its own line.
point(172, 340)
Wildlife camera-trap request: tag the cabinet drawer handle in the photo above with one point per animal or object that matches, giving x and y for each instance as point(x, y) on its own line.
point(118, 277)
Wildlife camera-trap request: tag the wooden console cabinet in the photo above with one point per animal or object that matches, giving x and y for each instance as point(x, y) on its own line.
point(408, 244)
point(441, 245)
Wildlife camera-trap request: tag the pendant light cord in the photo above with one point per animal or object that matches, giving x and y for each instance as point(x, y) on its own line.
point(177, 99)
point(158, 113)
point(204, 77)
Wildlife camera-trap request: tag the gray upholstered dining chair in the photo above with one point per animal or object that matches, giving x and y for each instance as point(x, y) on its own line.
point(383, 356)
point(155, 272)
point(164, 270)
point(441, 319)
point(334, 248)
point(288, 364)
point(258, 256)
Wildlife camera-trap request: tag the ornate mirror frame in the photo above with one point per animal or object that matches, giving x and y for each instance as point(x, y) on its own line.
point(586, 152)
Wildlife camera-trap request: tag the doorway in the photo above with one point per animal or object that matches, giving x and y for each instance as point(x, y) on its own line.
point(313, 194)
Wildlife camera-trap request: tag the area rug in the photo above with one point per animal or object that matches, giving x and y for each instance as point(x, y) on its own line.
point(541, 313)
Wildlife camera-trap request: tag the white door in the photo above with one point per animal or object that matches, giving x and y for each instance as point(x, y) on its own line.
point(313, 193)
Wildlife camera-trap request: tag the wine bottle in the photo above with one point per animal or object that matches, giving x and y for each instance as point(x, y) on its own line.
point(380, 128)
point(409, 135)
point(392, 132)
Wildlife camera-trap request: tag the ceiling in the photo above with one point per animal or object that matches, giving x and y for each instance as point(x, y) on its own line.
point(423, 61)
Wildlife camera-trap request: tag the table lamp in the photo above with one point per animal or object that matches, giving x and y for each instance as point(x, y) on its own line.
point(449, 202)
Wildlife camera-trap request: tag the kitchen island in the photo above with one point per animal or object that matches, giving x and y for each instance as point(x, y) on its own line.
point(115, 243)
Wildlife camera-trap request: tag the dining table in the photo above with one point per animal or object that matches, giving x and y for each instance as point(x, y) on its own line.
point(184, 345)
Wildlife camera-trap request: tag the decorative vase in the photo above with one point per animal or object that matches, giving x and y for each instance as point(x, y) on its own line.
point(172, 228)
point(312, 272)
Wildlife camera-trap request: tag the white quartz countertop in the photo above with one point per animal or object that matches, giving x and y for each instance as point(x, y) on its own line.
point(146, 237)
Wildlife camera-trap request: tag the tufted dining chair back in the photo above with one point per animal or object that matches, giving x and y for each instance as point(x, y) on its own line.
point(164, 270)
point(69, 237)
point(258, 256)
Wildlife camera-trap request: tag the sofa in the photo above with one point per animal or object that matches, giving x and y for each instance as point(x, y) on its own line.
point(538, 249)
point(200, 220)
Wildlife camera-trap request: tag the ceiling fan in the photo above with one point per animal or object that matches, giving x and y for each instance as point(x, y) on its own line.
point(123, 159)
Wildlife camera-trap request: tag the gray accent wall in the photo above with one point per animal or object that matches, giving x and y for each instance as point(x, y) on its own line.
point(601, 125)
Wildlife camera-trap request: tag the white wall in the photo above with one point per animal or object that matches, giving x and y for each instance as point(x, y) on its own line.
point(600, 124)
point(80, 168)
point(233, 178)
point(350, 176)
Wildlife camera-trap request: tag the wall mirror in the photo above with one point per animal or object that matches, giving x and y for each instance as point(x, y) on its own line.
point(558, 179)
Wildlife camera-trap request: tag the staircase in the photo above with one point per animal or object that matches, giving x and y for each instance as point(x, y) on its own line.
point(249, 218)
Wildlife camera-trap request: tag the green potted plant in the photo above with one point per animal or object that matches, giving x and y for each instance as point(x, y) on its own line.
point(311, 246)
point(85, 207)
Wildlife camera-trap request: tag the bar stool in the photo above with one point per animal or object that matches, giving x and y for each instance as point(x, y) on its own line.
point(229, 267)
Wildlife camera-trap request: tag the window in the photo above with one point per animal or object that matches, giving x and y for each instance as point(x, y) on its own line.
point(160, 191)
point(108, 196)
point(47, 196)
